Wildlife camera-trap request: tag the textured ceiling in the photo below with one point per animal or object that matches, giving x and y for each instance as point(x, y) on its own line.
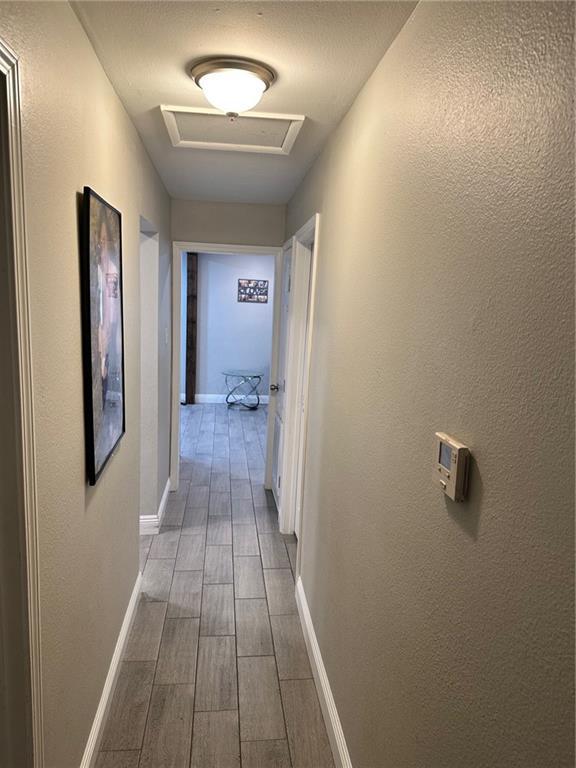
point(323, 53)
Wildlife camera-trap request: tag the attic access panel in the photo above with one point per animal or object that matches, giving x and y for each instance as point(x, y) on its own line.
point(259, 132)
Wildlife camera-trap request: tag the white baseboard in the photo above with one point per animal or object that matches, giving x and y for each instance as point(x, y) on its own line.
point(150, 524)
point(94, 739)
point(182, 397)
point(208, 399)
point(327, 703)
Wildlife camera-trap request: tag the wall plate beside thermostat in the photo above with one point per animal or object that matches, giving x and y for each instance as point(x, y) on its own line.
point(452, 460)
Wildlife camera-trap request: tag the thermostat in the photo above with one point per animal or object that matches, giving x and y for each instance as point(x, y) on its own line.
point(451, 466)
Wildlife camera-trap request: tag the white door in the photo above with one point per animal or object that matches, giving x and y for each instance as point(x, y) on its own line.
point(302, 390)
point(280, 384)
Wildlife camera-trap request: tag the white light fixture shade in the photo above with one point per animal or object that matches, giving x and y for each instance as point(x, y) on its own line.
point(232, 90)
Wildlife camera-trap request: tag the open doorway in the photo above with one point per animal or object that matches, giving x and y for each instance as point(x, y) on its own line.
point(226, 324)
point(223, 320)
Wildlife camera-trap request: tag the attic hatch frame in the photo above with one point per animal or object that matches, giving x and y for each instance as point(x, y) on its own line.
point(169, 111)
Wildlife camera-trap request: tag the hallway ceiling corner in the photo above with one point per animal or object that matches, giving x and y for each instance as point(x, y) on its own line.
point(323, 53)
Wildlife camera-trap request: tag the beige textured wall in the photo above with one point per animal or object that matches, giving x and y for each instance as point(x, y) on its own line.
point(76, 132)
point(445, 302)
point(233, 223)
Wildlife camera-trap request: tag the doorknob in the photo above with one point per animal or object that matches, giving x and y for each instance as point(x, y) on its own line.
point(274, 387)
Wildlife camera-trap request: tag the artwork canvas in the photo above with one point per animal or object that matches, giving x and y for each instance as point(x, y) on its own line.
point(102, 330)
point(253, 291)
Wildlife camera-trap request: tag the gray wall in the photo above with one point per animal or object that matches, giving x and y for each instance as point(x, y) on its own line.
point(76, 133)
point(232, 334)
point(445, 302)
point(229, 223)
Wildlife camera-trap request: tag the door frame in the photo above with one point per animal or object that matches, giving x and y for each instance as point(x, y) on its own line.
point(177, 247)
point(274, 375)
point(9, 67)
point(149, 264)
point(299, 356)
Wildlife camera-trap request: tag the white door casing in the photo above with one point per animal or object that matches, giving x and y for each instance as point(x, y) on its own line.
point(179, 247)
point(149, 277)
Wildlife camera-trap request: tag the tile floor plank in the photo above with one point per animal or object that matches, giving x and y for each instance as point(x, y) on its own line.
point(191, 553)
point(248, 580)
point(178, 650)
point(124, 759)
point(175, 498)
point(157, 579)
point(219, 503)
point(221, 466)
point(145, 544)
point(292, 547)
point(195, 521)
point(290, 648)
point(218, 565)
point(253, 635)
point(185, 470)
point(146, 632)
point(265, 754)
point(220, 482)
point(127, 716)
point(307, 738)
point(280, 591)
point(260, 706)
point(165, 544)
point(256, 475)
point(241, 489)
point(219, 531)
point(245, 540)
point(273, 551)
point(200, 474)
point(217, 610)
point(262, 497)
point(168, 734)
point(185, 595)
point(242, 511)
point(239, 470)
point(198, 497)
point(174, 513)
point(215, 743)
point(266, 520)
point(216, 686)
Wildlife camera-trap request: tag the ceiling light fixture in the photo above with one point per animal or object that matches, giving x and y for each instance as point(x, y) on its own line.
point(231, 84)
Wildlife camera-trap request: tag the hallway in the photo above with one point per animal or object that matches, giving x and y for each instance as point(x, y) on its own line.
point(372, 203)
point(215, 671)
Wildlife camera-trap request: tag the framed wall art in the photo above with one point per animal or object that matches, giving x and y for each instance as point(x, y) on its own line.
point(253, 291)
point(102, 331)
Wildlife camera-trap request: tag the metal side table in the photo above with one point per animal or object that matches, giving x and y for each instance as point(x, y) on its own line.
point(242, 388)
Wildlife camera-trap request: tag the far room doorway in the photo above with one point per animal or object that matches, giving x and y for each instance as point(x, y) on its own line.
point(227, 308)
point(223, 324)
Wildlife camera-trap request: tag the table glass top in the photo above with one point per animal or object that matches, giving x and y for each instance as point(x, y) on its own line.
point(243, 374)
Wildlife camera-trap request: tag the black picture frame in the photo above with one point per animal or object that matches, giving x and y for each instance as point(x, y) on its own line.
point(252, 291)
point(102, 301)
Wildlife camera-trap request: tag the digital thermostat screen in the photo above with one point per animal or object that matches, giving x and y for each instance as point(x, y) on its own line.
point(445, 455)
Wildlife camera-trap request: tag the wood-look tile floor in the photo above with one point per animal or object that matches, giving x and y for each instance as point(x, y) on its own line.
point(215, 672)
